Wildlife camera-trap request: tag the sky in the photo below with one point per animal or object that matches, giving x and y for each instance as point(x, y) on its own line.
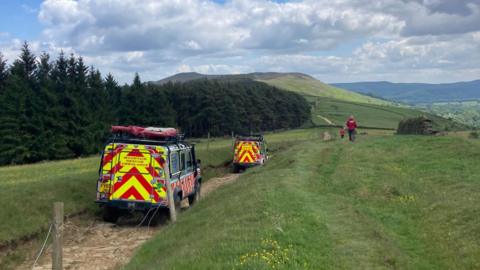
point(431, 41)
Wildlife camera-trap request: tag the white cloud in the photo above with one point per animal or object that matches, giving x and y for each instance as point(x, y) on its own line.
point(335, 40)
point(433, 20)
point(440, 59)
point(204, 26)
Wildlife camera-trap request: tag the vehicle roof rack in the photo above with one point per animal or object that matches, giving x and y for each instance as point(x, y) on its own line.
point(252, 137)
point(151, 135)
point(133, 140)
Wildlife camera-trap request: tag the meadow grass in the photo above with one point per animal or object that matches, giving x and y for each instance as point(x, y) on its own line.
point(28, 191)
point(387, 202)
point(313, 87)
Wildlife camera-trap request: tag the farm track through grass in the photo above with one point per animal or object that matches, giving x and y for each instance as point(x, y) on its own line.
point(397, 202)
point(28, 191)
point(93, 244)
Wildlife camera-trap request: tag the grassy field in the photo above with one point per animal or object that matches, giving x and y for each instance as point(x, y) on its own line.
point(370, 115)
point(309, 86)
point(391, 202)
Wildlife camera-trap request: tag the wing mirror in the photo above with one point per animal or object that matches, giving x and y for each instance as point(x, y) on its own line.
point(199, 161)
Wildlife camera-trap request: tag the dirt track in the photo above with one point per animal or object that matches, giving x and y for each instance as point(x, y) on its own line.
point(326, 120)
point(99, 245)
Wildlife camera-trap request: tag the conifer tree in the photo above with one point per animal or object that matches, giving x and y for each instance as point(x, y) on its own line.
point(131, 112)
point(18, 111)
point(64, 102)
point(99, 112)
point(114, 94)
point(45, 142)
point(3, 72)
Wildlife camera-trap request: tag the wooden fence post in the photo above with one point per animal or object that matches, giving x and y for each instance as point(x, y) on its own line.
point(57, 236)
point(171, 202)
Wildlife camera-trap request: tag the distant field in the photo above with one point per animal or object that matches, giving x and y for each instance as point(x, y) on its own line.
point(370, 115)
point(334, 105)
point(396, 202)
point(467, 112)
point(309, 86)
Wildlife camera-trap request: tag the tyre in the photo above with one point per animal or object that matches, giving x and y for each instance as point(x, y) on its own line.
point(110, 214)
point(236, 168)
point(192, 199)
point(156, 217)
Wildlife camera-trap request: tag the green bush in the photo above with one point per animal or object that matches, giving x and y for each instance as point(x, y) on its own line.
point(474, 135)
point(417, 126)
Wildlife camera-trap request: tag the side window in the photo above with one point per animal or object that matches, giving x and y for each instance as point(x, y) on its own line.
point(182, 161)
point(174, 163)
point(189, 160)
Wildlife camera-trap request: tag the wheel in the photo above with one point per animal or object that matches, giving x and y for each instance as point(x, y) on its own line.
point(156, 217)
point(111, 214)
point(192, 199)
point(236, 168)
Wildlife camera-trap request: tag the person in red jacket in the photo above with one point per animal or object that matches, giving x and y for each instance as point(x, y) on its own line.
point(351, 125)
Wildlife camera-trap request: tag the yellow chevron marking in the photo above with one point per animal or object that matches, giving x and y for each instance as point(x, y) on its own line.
point(131, 182)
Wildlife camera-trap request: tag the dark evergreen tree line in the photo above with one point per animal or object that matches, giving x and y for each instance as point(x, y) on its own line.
point(57, 109)
point(220, 107)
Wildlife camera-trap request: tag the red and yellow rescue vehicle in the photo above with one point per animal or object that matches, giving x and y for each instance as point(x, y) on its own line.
point(249, 150)
point(133, 171)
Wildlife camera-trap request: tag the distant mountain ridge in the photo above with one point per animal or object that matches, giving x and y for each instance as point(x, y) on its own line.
point(189, 76)
point(416, 93)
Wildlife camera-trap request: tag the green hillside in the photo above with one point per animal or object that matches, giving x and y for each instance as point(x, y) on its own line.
point(332, 106)
point(307, 85)
point(331, 111)
point(395, 202)
point(292, 81)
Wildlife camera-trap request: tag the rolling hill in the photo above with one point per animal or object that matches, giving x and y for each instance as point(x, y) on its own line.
point(308, 85)
point(415, 93)
point(330, 105)
point(295, 82)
